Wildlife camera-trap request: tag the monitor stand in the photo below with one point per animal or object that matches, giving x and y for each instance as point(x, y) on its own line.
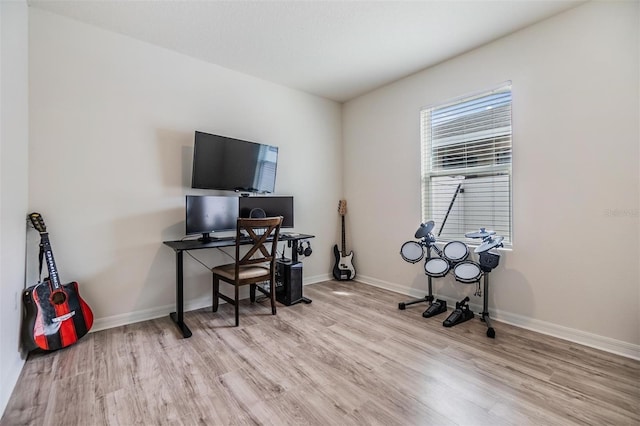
point(206, 237)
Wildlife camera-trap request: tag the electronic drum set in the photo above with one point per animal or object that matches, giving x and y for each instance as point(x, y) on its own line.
point(454, 256)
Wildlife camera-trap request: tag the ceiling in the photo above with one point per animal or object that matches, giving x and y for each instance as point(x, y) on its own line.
point(334, 49)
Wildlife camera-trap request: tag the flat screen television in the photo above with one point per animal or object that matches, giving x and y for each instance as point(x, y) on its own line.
point(272, 206)
point(231, 164)
point(206, 214)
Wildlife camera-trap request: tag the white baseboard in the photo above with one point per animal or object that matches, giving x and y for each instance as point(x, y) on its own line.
point(147, 314)
point(161, 311)
point(317, 279)
point(607, 344)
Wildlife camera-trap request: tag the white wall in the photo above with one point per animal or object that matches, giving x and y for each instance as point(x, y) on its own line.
point(112, 125)
point(573, 270)
point(13, 187)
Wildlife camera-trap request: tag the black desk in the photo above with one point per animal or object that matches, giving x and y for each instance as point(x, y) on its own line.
point(181, 246)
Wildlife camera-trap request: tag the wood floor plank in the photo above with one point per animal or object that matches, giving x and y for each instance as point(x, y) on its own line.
point(31, 401)
point(306, 405)
point(71, 401)
point(120, 408)
point(349, 358)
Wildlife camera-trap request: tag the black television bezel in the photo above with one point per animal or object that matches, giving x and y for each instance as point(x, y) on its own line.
point(271, 209)
point(199, 163)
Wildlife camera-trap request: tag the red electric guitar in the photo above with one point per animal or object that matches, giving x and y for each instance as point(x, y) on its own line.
point(55, 316)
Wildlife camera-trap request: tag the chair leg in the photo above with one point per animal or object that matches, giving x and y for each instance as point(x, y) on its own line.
point(237, 288)
point(272, 291)
point(216, 291)
point(252, 293)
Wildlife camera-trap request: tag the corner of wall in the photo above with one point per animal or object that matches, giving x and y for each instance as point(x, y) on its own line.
point(14, 186)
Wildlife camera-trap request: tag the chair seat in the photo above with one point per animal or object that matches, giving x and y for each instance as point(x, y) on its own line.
point(246, 272)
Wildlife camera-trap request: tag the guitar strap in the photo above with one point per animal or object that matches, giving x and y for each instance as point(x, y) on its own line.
point(40, 257)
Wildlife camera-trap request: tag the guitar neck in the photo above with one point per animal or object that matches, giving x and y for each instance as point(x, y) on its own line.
point(344, 245)
point(51, 263)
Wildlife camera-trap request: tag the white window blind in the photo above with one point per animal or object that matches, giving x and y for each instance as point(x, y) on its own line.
point(466, 165)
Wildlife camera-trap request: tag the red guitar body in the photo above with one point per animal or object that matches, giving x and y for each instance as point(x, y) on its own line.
point(55, 316)
point(54, 319)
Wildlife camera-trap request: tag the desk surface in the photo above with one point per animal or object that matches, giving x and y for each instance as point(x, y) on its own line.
point(194, 244)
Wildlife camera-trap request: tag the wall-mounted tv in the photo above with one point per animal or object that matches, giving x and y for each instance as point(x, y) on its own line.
point(228, 164)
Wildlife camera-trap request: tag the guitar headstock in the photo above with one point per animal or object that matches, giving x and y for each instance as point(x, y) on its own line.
point(342, 207)
point(38, 222)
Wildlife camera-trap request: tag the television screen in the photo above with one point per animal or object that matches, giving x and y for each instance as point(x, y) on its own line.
point(231, 164)
point(209, 213)
point(272, 206)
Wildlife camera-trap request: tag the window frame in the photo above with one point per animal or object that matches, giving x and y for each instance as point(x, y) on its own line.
point(462, 148)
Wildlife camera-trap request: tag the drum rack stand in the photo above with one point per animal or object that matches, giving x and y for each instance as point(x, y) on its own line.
point(484, 316)
point(438, 306)
point(434, 308)
point(462, 312)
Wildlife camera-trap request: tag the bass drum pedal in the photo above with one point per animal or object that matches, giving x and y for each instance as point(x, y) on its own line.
point(461, 314)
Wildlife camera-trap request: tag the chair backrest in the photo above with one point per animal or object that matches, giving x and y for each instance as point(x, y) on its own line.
point(263, 233)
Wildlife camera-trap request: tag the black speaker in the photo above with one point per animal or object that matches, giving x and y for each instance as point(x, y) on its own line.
point(288, 282)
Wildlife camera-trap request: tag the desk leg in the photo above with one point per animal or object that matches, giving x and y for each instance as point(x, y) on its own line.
point(178, 316)
point(294, 251)
point(294, 259)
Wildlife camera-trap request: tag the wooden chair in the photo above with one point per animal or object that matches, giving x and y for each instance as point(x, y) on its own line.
point(257, 265)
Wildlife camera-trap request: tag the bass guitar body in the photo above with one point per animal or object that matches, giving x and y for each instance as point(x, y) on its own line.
point(343, 269)
point(54, 319)
point(55, 316)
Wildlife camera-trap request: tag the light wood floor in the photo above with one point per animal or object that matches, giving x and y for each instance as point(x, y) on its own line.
point(350, 357)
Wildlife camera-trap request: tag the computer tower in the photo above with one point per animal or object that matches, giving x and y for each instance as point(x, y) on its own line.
point(288, 282)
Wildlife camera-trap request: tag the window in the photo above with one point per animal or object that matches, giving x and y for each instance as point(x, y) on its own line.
point(466, 165)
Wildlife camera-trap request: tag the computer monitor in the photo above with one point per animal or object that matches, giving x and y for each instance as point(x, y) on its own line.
point(272, 206)
point(206, 214)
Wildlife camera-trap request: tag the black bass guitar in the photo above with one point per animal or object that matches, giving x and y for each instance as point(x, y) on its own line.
point(343, 269)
